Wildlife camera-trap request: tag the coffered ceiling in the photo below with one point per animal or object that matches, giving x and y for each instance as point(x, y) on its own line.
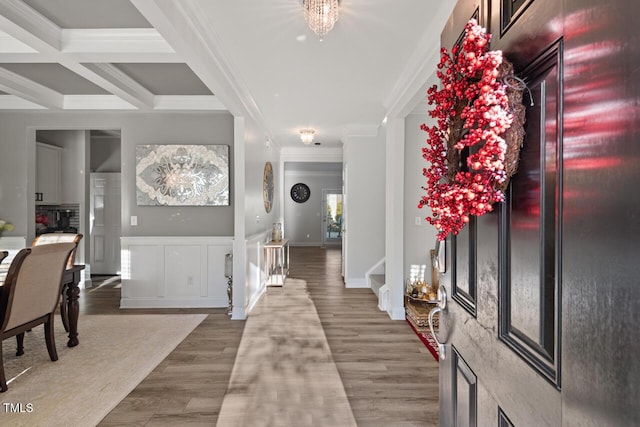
point(254, 58)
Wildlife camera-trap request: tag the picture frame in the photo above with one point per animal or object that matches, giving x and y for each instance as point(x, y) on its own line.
point(182, 175)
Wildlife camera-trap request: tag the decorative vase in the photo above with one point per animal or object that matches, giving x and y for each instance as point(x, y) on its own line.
point(276, 233)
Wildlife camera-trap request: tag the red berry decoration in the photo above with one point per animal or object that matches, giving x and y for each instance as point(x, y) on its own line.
point(465, 148)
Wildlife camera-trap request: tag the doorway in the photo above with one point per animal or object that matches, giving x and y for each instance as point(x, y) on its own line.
point(105, 202)
point(331, 217)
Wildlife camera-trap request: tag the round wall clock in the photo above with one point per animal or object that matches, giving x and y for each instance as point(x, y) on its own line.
point(300, 192)
point(267, 187)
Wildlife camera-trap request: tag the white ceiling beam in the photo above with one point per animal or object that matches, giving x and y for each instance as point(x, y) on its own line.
point(117, 45)
point(28, 26)
point(11, 102)
point(10, 44)
point(115, 81)
point(29, 90)
point(190, 102)
point(96, 102)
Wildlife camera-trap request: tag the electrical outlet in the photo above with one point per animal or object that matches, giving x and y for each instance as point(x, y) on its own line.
point(134, 220)
point(418, 220)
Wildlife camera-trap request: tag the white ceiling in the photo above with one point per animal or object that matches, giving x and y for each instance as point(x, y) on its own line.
point(255, 58)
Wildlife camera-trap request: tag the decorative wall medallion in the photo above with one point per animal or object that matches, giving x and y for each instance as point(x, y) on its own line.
point(300, 192)
point(182, 175)
point(267, 187)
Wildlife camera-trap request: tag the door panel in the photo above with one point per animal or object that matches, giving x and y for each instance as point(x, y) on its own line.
point(466, 393)
point(530, 232)
point(463, 270)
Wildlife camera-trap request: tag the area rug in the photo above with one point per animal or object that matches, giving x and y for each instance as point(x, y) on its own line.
point(287, 376)
point(116, 352)
point(427, 339)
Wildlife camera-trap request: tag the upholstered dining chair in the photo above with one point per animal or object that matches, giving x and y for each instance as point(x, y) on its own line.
point(30, 295)
point(49, 238)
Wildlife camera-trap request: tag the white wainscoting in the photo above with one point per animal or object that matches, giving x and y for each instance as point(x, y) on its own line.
point(174, 272)
point(255, 269)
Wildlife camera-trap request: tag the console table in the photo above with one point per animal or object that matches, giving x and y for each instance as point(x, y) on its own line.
point(276, 262)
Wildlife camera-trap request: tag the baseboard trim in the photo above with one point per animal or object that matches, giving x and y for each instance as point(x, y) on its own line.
point(173, 303)
point(357, 283)
point(397, 313)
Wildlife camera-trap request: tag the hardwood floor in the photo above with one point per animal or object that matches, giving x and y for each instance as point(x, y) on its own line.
point(389, 376)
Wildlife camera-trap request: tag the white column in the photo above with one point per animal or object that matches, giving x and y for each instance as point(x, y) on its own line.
point(239, 239)
point(394, 230)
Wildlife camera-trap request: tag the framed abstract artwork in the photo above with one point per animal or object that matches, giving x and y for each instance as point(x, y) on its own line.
point(182, 175)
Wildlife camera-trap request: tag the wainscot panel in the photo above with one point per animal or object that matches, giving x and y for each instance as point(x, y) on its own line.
point(174, 272)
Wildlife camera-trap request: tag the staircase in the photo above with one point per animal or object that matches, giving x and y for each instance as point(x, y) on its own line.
point(376, 281)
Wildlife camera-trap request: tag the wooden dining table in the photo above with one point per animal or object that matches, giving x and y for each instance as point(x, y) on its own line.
point(70, 310)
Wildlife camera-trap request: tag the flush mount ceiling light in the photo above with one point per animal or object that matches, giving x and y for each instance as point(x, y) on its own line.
point(306, 135)
point(320, 15)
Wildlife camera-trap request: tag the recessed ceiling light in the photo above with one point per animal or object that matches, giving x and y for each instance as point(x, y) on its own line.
point(301, 38)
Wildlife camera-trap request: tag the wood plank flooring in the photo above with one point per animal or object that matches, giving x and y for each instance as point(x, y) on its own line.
point(389, 376)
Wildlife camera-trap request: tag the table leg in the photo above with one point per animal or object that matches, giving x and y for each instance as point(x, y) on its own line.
point(63, 309)
point(73, 309)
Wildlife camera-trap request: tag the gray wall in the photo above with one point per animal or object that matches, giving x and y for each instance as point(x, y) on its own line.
point(257, 153)
point(105, 154)
point(17, 169)
point(303, 221)
point(364, 160)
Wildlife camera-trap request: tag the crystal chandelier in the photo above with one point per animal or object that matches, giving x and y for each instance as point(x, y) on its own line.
point(320, 15)
point(306, 135)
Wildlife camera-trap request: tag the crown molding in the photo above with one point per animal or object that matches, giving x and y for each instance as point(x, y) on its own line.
point(410, 87)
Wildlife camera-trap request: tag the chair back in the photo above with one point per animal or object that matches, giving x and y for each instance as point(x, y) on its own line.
point(49, 238)
point(33, 284)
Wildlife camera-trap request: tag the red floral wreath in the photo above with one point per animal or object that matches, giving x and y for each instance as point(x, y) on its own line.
point(473, 110)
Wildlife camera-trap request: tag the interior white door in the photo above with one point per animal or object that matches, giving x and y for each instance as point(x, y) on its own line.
point(105, 225)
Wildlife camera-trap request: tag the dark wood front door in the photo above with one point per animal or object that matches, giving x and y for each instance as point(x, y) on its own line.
point(541, 325)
